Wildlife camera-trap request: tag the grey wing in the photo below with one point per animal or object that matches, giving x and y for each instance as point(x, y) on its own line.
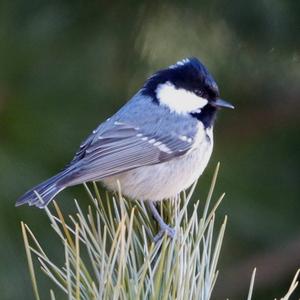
point(122, 148)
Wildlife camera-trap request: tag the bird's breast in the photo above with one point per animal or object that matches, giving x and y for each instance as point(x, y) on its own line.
point(167, 179)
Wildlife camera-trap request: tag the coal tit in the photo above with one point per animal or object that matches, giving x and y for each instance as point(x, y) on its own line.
point(155, 146)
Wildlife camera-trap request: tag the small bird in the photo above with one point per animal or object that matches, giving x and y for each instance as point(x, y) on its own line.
point(155, 146)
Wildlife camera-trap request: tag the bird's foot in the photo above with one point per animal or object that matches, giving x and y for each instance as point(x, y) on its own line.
point(165, 229)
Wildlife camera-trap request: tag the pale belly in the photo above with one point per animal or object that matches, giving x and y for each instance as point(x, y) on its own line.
point(165, 180)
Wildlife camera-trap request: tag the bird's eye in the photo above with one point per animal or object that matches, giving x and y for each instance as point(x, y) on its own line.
point(199, 93)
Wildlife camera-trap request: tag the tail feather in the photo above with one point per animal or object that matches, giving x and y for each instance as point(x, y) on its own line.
point(42, 194)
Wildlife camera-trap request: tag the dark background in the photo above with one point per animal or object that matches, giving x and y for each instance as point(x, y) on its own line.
point(66, 66)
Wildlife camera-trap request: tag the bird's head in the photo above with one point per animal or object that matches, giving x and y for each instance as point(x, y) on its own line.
point(186, 88)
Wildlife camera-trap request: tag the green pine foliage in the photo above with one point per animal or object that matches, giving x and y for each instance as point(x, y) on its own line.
point(109, 251)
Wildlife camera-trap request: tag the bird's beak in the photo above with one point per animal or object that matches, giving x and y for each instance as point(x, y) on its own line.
point(223, 103)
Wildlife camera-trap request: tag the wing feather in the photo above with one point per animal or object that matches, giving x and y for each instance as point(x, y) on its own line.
point(122, 148)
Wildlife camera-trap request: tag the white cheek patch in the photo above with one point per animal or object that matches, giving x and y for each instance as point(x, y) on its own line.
point(179, 100)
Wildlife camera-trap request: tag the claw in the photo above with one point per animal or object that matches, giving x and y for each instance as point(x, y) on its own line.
point(164, 228)
point(171, 233)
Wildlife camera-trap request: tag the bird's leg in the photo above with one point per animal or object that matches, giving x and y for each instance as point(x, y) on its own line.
point(163, 227)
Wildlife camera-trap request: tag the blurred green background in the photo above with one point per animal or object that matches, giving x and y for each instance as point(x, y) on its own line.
point(65, 66)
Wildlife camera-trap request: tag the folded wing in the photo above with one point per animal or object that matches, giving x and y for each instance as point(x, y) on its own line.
point(122, 148)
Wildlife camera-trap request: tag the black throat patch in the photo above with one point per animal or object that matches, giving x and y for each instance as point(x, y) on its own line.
point(207, 115)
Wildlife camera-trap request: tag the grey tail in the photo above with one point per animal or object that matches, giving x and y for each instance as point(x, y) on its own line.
point(42, 194)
